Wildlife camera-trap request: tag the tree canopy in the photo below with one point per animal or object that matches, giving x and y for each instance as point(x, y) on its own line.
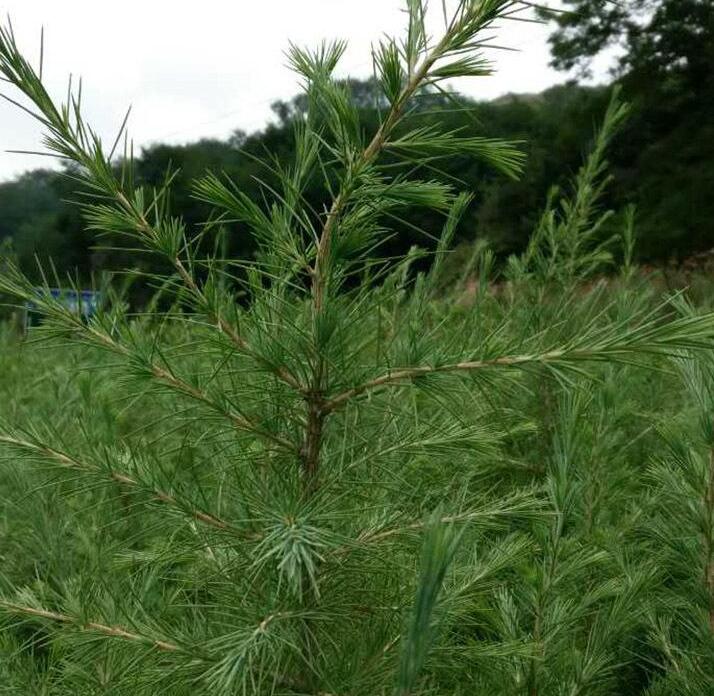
point(655, 37)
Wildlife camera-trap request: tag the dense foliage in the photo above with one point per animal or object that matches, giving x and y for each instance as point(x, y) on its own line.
point(322, 470)
point(666, 67)
point(671, 39)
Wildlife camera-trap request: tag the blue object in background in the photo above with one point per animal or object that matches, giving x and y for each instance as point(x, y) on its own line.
point(83, 302)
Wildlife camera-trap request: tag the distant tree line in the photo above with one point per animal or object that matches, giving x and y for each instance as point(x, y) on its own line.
point(663, 162)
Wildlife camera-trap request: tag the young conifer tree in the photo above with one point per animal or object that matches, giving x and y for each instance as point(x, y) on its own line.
point(678, 530)
point(308, 513)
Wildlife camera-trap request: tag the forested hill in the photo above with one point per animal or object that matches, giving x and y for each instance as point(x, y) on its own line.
point(664, 163)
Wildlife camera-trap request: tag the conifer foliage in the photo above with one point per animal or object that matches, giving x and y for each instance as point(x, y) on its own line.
point(314, 473)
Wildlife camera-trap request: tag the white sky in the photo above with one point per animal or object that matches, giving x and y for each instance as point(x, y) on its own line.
point(203, 69)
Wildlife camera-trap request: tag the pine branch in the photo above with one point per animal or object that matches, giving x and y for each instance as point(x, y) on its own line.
point(370, 153)
point(316, 408)
point(92, 626)
point(95, 335)
point(467, 21)
point(396, 377)
point(240, 343)
point(216, 661)
point(522, 505)
point(67, 461)
point(648, 338)
point(79, 144)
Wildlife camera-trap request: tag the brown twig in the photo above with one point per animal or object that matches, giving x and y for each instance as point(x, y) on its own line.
point(162, 375)
point(69, 462)
point(104, 629)
point(316, 408)
point(238, 341)
point(145, 227)
point(408, 373)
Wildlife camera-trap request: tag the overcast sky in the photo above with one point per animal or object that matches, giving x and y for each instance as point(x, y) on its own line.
point(203, 69)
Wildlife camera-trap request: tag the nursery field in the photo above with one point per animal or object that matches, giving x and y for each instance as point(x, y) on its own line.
point(325, 469)
point(149, 547)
